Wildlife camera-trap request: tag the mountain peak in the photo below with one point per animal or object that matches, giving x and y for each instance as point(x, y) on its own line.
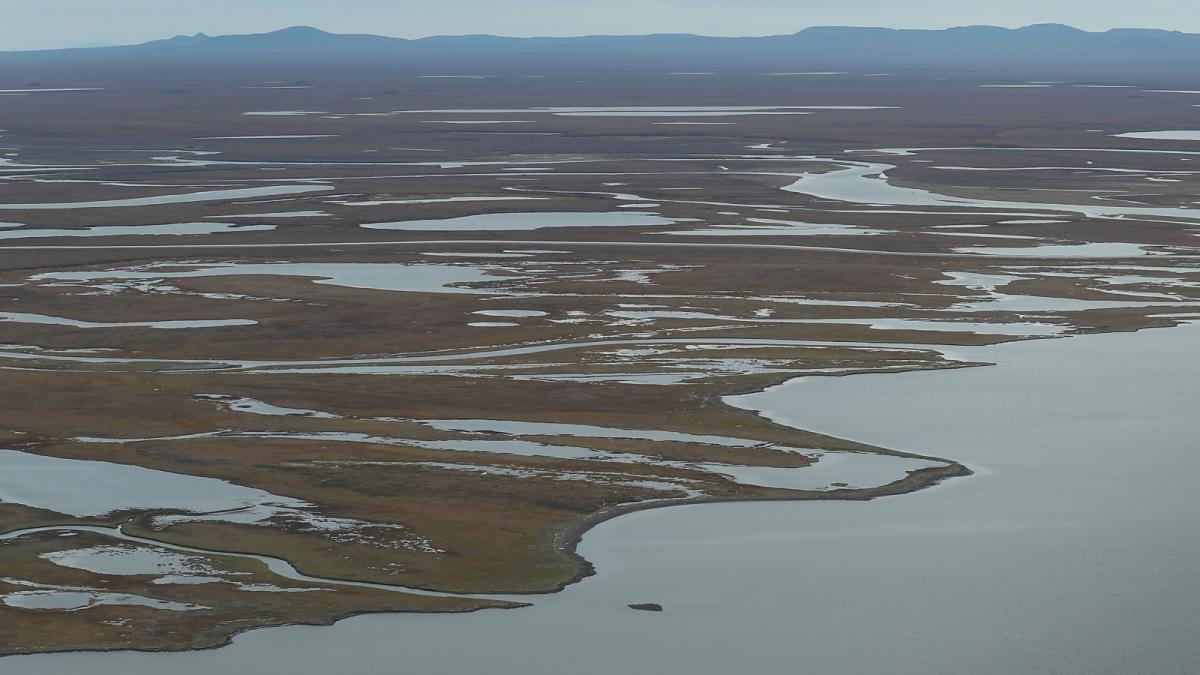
point(180, 41)
point(299, 32)
point(1050, 28)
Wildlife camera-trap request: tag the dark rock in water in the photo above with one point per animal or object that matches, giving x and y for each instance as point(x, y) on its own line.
point(648, 607)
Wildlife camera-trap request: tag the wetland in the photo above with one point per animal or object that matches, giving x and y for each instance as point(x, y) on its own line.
point(440, 370)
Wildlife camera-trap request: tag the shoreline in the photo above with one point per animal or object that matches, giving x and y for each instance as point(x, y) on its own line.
point(565, 540)
point(569, 538)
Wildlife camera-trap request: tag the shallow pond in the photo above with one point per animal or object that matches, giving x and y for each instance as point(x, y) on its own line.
point(20, 317)
point(867, 183)
point(1162, 135)
point(186, 198)
point(526, 221)
point(138, 230)
point(378, 276)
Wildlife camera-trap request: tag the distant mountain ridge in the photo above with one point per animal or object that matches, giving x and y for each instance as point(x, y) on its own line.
point(830, 45)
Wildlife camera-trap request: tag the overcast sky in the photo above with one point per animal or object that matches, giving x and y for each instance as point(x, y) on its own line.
point(37, 24)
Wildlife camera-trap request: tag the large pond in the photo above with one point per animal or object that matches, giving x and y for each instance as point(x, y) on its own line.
point(1072, 549)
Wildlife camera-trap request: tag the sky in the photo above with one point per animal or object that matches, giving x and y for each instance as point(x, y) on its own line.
point(42, 24)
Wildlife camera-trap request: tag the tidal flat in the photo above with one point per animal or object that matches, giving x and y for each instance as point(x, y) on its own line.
point(410, 382)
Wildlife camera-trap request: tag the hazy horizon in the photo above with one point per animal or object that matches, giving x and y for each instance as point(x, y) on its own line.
point(32, 24)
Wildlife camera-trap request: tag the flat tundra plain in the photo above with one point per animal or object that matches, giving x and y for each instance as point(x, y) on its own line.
point(286, 350)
